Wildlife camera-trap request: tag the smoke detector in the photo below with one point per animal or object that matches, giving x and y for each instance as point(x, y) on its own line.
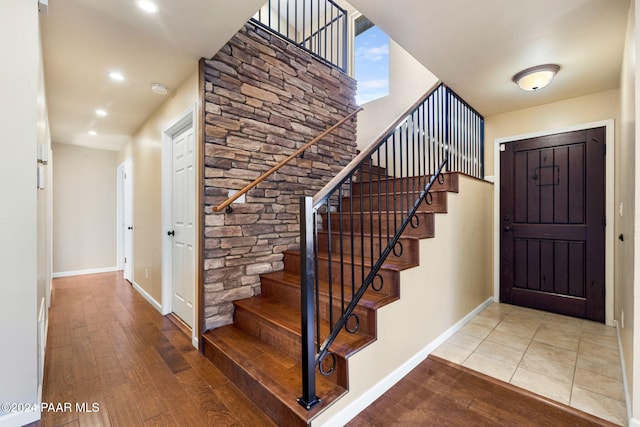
point(159, 88)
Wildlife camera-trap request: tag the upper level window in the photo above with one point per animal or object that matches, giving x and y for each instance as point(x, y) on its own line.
point(371, 61)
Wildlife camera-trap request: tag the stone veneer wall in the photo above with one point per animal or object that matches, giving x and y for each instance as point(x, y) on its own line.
point(264, 98)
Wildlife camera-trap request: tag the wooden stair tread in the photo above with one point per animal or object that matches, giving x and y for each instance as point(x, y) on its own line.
point(274, 371)
point(288, 318)
point(370, 299)
point(453, 176)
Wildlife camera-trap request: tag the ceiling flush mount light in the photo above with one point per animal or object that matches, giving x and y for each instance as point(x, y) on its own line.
point(100, 112)
point(535, 78)
point(116, 75)
point(93, 133)
point(148, 6)
point(159, 88)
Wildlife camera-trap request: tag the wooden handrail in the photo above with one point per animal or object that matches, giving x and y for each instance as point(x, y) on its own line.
point(227, 203)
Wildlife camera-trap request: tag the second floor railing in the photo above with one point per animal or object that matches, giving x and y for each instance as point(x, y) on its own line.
point(365, 209)
point(317, 26)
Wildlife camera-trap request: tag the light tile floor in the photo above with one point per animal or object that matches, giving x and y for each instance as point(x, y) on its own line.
point(569, 360)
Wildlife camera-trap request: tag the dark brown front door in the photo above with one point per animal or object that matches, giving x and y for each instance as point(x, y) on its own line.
point(552, 223)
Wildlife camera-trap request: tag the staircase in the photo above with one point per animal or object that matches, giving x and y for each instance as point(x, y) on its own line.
point(261, 352)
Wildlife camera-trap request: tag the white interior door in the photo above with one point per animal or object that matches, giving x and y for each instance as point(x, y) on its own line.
point(127, 223)
point(183, 225)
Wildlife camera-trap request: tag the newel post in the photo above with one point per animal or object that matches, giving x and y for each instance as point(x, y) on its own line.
point(308, 398)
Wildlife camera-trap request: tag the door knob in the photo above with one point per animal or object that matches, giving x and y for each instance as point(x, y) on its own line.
point(507, 228)
point(171, 233)
point(129, 228)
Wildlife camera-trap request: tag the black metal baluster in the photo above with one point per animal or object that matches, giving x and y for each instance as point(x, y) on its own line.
point(341, 240)
point(295, 16)
point(420, 146)
point(370, 207)
point(395, 175)
point(386, 165)
point(362, 211)
point(379, 203)
point(326, 28)
point(304, 23)
point(415, 180)
point(351, 230)
point(330, 264)
point(308, 398)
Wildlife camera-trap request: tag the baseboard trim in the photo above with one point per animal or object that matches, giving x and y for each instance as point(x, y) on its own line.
point(367, 398)
point(627, 396)
point(148, 297)
point(83, 272)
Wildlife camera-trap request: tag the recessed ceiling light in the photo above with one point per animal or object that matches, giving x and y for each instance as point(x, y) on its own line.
point(159, 88)
point(148, 6)
point(116, 75)
point(93, 133)
point(100, 112)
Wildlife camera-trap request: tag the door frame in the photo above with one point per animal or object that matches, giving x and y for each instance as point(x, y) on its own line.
point(185, 120)
point(610, 210)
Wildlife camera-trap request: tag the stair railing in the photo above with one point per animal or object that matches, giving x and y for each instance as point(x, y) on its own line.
point(401, 166)
point(227, 203)
point(317, 26)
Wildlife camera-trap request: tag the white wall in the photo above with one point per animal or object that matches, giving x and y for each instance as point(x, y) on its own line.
point(145, 149)
point(630, 286)
point(84, 209)
point(21, 62)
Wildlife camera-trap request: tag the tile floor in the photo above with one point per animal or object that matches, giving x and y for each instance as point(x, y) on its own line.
point(569, 360)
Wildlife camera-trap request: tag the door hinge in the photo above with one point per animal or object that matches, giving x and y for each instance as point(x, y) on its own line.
point(125, 260)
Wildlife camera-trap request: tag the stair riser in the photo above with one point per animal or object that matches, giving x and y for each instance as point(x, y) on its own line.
point(409, 253)
point(368, 169)
point(254, 390)
point(390, 278)
point(364, 223)
point(413, 183)
point(284, 340)
point(399, 202)
point(290, 295)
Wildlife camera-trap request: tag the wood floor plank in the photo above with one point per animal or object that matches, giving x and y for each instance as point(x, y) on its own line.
point(123, 410)
point(202, 394)
point(162, 420)
point(245, 411)
point(212, 375)
point(92, 396)
point(148, 400)
point(439, 393)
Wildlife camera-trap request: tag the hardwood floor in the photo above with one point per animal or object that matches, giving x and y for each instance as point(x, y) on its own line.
point(107, 345)
point(440, 393)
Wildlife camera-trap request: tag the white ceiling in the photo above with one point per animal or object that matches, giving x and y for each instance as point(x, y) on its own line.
point(476, 47)
point(473, 46)
point(83, 40)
